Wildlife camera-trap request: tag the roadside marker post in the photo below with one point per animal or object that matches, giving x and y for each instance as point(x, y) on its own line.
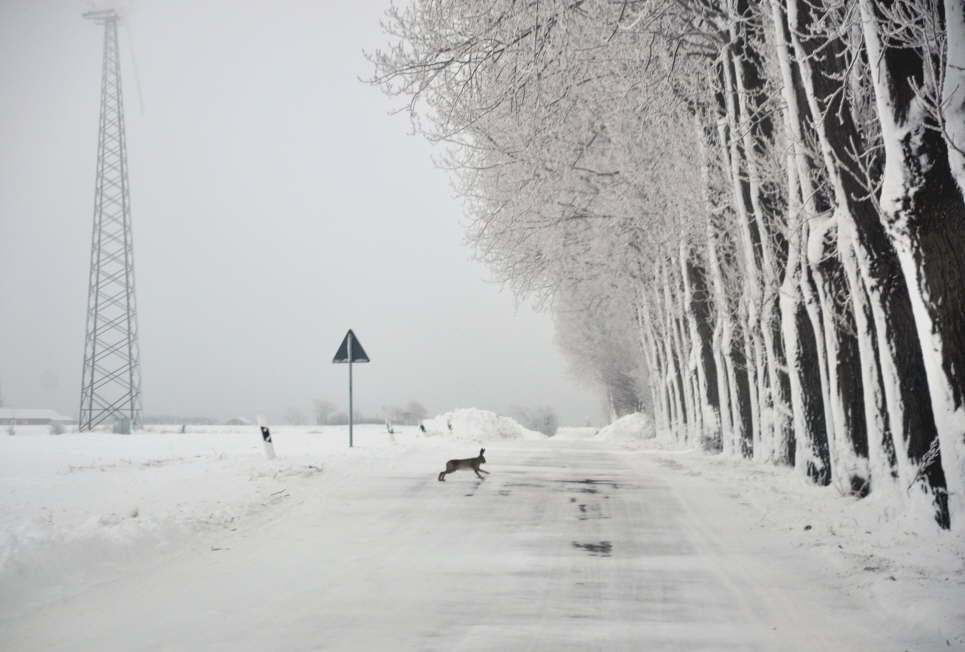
point(349, 352)
point(266, 437)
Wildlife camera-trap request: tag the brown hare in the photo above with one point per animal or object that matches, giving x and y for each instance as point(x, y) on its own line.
point(469, 463)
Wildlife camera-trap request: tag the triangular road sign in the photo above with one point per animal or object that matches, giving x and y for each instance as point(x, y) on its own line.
point(358, 353)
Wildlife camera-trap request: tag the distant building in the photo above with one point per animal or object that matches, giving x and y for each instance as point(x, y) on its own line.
point(239, 421)
point(31, 417)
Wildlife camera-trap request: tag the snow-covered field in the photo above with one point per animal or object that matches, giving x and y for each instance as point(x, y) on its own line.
point(162, 540)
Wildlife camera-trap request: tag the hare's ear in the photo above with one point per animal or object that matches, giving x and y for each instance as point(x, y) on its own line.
point(482, 450)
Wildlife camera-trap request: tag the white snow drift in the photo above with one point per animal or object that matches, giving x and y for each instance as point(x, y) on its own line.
point(631, 428)
point(478, 425)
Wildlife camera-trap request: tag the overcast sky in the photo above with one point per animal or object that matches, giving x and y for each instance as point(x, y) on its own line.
point(276, 204)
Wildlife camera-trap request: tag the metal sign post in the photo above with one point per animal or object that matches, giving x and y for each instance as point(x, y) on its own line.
point(350, 351)
point(351, 415)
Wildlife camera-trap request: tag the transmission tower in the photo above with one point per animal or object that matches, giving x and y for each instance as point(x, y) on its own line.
point(111, 382)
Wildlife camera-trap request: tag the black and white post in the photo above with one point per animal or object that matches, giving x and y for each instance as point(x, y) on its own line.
point(266, 437)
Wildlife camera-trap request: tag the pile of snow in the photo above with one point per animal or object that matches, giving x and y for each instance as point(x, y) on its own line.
point(478, 425)
point(631, 428)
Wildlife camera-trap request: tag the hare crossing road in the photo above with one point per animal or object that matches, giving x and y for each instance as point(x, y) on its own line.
point(469, 463)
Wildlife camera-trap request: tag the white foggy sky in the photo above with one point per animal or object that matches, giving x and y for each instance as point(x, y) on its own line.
point(275, 205)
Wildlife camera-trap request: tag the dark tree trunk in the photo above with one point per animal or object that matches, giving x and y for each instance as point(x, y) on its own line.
point(701, 310)
point(844, 362)
point(886, 287)
point(924, 216)
point(813, 399)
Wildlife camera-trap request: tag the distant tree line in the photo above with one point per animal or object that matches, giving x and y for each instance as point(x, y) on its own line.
point(541, 419)
point(326, 413)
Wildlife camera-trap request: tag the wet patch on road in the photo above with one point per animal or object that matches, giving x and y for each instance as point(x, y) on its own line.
point(588, 512)
point(589, 485)
point(674, 465)
point(475, 487)
point(598, 549)
point(670, 464)
point(588, 490)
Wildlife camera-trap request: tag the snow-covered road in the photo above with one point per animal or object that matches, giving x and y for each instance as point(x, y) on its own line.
point(569, 545)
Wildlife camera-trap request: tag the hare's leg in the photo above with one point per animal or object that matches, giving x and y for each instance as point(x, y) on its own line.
point(482, 470)
point(477, 474)
point(442, 476)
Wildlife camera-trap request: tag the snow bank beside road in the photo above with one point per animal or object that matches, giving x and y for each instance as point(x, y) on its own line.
point(478, 425)
point(913, 571)
point(631, 428)
point(86, 504)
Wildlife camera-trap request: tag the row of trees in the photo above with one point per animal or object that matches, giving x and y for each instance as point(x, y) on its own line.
point(541, 419)
point(766, 195)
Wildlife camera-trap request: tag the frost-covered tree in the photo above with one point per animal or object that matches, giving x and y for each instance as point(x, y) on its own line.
point(294, 417)
point(541, 419)
point(597, 335)
point(415, 412)
point(322, 409)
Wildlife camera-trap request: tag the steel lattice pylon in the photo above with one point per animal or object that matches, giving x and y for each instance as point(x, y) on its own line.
point(111, 382)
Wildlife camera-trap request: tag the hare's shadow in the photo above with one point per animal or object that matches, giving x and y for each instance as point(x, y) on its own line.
point(475, 487)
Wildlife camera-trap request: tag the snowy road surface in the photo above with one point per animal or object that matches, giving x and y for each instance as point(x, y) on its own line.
point(567, 546)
